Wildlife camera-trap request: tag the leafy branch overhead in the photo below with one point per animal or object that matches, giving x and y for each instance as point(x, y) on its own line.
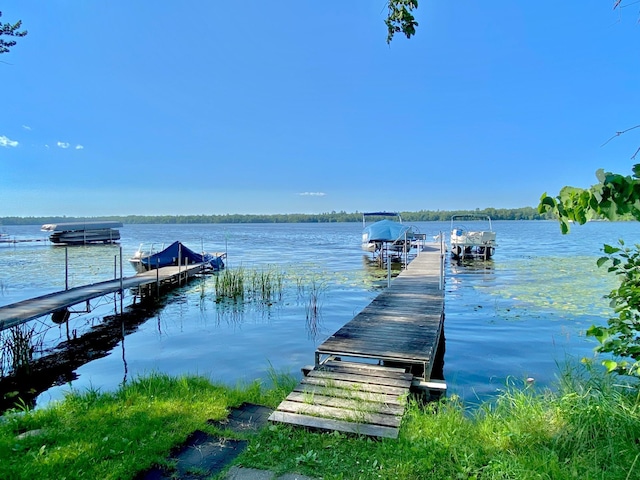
point(10, 30)
point(401, 19)
point(613, 197)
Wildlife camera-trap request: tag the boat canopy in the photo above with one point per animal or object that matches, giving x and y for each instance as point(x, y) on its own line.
point(170, 256)
point(386, 231)
point(379, 214)
point(79, 226)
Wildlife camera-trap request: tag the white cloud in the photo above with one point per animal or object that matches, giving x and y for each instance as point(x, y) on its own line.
point(63, 144)
point(26, 127)
point(312, 194)
point(6, 142)
point(79, 147)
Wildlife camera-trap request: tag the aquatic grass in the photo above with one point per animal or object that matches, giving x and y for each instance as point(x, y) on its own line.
point(263, 285)
point(17, 346)
point(266, 285)
point(572, 285)
point(230, 284)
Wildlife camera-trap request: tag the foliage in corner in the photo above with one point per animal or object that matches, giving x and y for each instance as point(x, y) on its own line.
point(401, 19)
point(613, 197)
point(620, 337)
point(11, 31)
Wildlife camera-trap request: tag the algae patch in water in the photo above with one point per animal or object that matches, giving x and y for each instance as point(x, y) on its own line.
point(567, 285)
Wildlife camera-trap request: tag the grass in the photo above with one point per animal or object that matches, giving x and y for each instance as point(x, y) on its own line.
point(588, 429)
point(114, 435)
point(263, 286)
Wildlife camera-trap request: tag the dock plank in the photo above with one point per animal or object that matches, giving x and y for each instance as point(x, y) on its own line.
point(401, 325)
point(309, 389)
point(330, 424)
point(354, 386)
point(357, 415)
point(21, 312)
point(350, 404)
point(360, 378)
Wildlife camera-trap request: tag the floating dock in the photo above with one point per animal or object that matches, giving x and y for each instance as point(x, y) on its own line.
point(363, 373)
point(21, 312)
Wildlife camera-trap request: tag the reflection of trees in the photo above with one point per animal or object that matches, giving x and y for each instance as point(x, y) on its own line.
point(58, 365)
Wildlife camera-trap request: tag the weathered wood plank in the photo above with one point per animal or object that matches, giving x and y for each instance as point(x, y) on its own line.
point(353, 386)
point(366, 369)
point(345, 403)
point(325, 411)
point(402, 325)
point(337, 425)
point(360, 378)
point(308, 389)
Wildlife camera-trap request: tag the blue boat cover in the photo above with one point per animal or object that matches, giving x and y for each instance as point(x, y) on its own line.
point(169, 256)
point(385, 231)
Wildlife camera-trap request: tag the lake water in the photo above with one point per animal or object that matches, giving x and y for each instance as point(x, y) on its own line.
point(520, 315)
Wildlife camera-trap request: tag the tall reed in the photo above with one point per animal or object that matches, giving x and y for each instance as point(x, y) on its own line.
point(16, 349)
point(265, 285)
point(230, 284)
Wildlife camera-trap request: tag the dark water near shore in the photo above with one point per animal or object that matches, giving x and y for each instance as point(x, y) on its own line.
point(518, 316)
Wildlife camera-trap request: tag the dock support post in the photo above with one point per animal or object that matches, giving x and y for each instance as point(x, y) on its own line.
point(179, 264)
point(388, 269)
point(121, 289)
point(66, 268)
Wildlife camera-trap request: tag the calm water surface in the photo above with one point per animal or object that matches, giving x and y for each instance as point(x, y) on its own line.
point(518, 316)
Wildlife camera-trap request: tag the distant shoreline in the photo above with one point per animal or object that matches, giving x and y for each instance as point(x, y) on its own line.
point(523, 213)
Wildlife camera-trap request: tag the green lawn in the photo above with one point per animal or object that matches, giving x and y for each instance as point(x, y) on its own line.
point(588, 429)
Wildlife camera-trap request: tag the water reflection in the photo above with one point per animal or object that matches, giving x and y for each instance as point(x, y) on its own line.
point(58, 365)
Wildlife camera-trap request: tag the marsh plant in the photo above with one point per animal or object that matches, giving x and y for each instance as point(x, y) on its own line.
point(265, 285)
point(17, 345)
point(230, 284)
point(314, 291)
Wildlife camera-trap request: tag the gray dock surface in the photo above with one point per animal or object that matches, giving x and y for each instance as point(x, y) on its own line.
point(21, 312)
point(378, 349)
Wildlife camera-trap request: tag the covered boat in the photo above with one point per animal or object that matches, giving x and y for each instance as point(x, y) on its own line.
point(374, 236)
point(387, 238)
point(174, 255)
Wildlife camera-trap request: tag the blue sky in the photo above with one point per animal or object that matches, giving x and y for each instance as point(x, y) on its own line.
point(208, 107)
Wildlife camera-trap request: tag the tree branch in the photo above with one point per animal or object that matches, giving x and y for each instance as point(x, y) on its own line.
point(617, 134)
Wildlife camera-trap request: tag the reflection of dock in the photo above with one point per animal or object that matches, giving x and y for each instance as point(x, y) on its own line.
point(13, 241)
point(21, 312)
point(399, 331)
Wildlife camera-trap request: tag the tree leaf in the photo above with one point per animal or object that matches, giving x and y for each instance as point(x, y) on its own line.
point(610, 365)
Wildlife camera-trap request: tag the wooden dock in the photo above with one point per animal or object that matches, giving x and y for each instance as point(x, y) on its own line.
point(363, 373)
point(21, 312)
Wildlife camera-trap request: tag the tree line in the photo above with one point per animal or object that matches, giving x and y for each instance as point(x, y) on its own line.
point(524, 213)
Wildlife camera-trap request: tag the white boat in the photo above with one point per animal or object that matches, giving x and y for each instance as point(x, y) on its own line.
point(142, 253)
point(82, 233)
point(472, 242)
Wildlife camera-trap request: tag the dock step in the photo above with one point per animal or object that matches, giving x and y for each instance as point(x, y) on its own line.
point(351, 397)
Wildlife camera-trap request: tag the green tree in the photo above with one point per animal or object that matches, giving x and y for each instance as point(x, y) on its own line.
point(400, 18)
point(10, 30)
point(613, 197)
